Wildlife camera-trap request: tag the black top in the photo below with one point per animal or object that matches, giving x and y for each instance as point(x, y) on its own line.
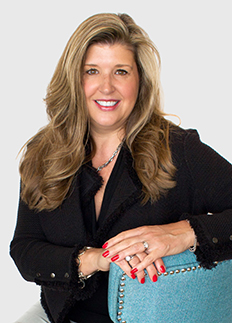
point(95, 309)
point(46, 243)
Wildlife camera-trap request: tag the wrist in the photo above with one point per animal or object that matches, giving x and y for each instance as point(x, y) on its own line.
point(194, 243)
point(81, 260)
point(86, 261)
point(183, 229)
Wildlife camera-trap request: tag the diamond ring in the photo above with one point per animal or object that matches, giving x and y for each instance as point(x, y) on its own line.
point(146, 245)
point(128, 258)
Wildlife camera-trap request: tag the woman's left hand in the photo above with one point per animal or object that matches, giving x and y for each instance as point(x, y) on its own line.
point(162, 240)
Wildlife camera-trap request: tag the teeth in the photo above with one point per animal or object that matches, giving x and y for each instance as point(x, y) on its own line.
point(107, 103)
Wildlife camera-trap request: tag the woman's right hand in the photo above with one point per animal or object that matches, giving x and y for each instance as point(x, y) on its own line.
point(92, 260)
point(151, 269)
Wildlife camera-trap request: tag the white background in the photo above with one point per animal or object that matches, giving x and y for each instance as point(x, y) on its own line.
point(194, 40)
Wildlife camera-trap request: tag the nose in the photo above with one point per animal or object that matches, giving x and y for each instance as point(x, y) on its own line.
point(106, 85)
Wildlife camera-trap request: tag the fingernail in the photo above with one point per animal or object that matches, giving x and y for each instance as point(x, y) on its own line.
point(115, 258)
point(162, 269)
point(154, 278)
point(133, 271)
point(133, 276)
point(105, 245)
point(143, 280)
point(105, 254)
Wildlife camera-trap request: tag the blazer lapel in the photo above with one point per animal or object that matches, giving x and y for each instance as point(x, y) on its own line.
point(124, 189)
point(127, 193)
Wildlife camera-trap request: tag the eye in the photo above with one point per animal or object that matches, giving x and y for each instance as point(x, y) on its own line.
point(92, 71)
point(121, 72)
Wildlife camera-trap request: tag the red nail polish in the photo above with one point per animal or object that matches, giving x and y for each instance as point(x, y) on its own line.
point(105, 254)
point(143, 280)
point(133, 271)
point(162, 269)
point(115, 258)
point(154, 278)
point(133, 276)
point(105, 245)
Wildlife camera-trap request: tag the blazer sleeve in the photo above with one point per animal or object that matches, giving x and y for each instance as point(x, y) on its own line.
point(37, 259)
point(212, 177)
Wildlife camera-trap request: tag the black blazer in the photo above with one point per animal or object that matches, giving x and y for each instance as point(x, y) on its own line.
point(45, 244)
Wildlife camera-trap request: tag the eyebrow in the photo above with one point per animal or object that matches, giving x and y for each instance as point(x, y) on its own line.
point(118, 65)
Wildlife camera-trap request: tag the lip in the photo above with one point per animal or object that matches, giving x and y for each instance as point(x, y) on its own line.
point(110, 107)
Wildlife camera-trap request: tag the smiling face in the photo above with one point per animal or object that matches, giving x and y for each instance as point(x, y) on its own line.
point(111, 84)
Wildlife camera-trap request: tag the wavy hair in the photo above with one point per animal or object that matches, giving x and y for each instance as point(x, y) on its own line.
point(55, 154)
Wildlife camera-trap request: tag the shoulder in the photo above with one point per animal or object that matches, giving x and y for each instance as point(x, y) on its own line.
point(182, 141)
point(179, 135)
point(187, 148)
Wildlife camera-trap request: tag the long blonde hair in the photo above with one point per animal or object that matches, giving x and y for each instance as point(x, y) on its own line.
point(54, 155)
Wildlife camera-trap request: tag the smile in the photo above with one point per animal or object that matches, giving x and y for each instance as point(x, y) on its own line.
point(107, 103)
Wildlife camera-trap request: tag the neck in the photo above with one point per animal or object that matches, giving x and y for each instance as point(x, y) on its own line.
point(105, 142)
point(105, 147)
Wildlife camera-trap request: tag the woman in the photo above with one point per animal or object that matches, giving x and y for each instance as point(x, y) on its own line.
point(109, 177)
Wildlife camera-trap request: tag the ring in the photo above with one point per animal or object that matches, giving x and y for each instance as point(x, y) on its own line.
point(146, 245)
point(128, 258)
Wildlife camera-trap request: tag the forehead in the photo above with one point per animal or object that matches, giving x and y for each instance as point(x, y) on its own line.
point(108, 53)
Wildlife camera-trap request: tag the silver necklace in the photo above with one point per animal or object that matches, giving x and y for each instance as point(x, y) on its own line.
point(112, 157)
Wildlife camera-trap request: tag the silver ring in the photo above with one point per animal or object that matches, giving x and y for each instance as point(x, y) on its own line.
point(128, 258)
point(146, 245)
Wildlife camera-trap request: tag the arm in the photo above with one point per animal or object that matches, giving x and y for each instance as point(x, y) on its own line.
point(37, 259)
point(41, 260)
point(211, 180)
point(212, 177)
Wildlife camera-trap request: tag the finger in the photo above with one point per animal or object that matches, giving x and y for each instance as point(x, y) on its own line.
point(160, 266)
point(147, 261)
point(141, 275)
point(151, 269)
point(121, 250)
point(124, 265)
point(122, 236)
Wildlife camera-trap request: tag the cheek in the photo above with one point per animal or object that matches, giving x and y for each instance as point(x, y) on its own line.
point(86, 89)
point(89, 89)
point(131, 92)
